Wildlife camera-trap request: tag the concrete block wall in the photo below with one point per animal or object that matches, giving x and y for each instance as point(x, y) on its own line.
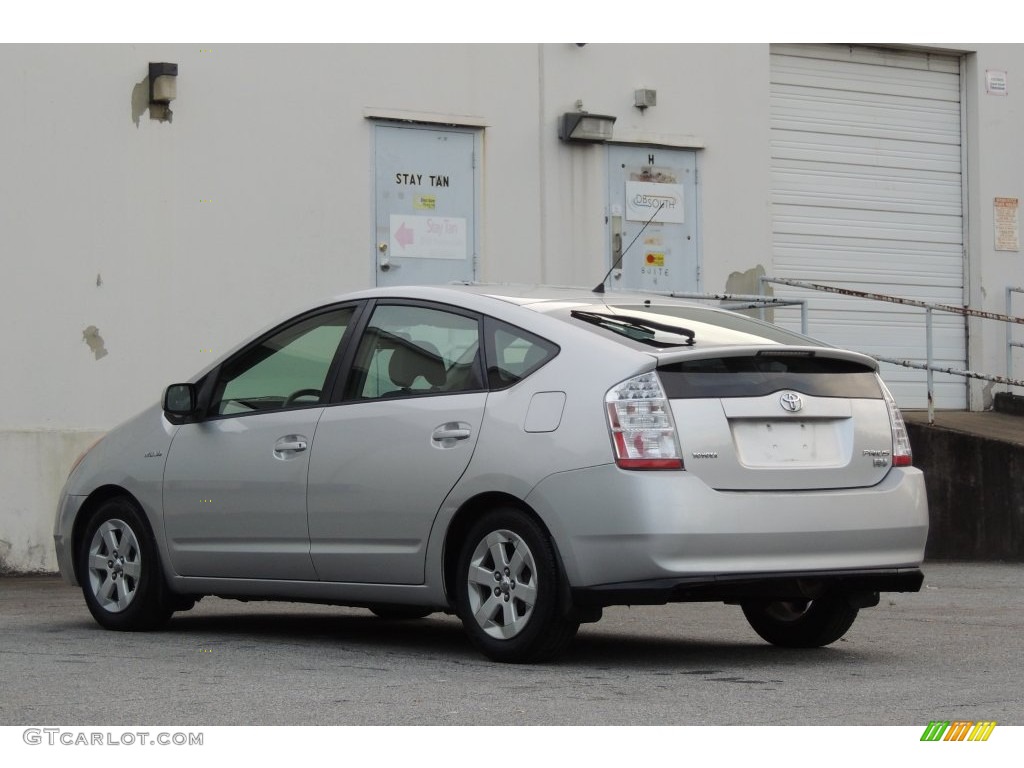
point(975, 494)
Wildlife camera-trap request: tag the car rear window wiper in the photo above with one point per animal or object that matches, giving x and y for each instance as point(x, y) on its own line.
point(637, 328)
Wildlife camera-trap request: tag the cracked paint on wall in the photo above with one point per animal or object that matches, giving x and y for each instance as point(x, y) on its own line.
point(91, 336)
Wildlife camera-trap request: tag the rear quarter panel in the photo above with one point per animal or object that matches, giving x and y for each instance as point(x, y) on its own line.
point(510, 460)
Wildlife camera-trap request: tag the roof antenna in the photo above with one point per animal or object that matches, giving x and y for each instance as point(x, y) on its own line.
point(599, 288)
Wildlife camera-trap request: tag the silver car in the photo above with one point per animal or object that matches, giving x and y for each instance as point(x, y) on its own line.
point(519, 457)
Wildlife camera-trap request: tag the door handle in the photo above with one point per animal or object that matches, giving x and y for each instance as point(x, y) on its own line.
point(289, 445)
point(448, 434)
point(451, 434)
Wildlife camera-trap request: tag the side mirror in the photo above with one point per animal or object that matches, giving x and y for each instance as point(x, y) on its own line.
point(180, 400)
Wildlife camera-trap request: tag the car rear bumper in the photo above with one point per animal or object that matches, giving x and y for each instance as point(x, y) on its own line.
point(613, 526)
point(753, 586)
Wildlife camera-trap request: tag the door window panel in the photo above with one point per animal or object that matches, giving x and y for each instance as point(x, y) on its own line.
point(287, 370)
point(411, 350)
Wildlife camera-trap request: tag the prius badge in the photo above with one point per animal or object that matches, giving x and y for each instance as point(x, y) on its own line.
point(791, 401)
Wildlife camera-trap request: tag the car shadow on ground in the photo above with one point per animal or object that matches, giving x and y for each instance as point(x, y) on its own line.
point(441, 637)
point(630, 651)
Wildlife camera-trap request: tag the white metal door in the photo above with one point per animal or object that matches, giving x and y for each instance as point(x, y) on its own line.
point(426, 203)
point(664, 257)
point(867, 194)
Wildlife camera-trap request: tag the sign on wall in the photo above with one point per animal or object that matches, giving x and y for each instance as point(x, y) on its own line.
point(643, 198)
point(428, 237)
point(1005, 215)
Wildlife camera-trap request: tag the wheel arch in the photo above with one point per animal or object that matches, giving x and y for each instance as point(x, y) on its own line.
point(90, 505)
point(464, 518)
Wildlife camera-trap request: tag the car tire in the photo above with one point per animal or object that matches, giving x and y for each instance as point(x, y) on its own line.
point(119, 569)
point(507, 550)
point(400, 612)
point(802, 623)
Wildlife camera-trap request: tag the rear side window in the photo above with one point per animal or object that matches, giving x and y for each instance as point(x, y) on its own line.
point(411, 350)
point(513, 354)
point(759, 375)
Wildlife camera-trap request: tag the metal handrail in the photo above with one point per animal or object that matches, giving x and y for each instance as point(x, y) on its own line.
point(1010, 343)
point(738, 301)
point(929, 308)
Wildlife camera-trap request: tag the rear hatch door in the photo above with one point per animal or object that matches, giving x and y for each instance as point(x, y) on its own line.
point(779, 418)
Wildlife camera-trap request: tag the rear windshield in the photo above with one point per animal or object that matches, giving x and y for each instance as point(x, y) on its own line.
point(759, 375)
point(664, 326)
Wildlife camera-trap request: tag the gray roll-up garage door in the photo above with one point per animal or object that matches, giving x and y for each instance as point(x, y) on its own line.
point(867, 193)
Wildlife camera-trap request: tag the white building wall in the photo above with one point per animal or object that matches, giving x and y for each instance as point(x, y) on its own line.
point(135, 250)
point(995, 168)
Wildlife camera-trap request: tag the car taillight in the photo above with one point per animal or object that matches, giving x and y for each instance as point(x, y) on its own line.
point(901, 453)
point(640, 420)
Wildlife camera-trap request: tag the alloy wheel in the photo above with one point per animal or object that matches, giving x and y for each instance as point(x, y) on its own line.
point(502, 581)
point(115, 565)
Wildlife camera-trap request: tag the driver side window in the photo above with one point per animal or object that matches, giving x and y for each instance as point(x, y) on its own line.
point(286, 370)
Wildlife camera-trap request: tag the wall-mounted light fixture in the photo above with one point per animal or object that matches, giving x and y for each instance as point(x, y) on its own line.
point(163, 83)
point(585, 127)
point(644, 98)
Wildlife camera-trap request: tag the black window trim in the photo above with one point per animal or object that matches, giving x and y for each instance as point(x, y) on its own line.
point(209, 384)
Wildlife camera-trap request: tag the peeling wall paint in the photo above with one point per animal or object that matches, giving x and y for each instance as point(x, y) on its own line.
point(91, 336)
point(987, 396)
point(746, 282)
point(749, 283)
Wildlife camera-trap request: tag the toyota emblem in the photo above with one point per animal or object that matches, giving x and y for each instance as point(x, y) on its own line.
point(791, 401)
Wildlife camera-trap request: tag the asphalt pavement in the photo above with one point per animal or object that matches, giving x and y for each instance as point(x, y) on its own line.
point(951, 651)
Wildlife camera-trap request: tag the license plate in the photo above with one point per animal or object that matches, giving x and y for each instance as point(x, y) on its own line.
point(790, 442)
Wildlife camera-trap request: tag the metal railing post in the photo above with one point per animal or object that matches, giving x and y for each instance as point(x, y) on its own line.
point(931, 375)
point(1009, 337)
